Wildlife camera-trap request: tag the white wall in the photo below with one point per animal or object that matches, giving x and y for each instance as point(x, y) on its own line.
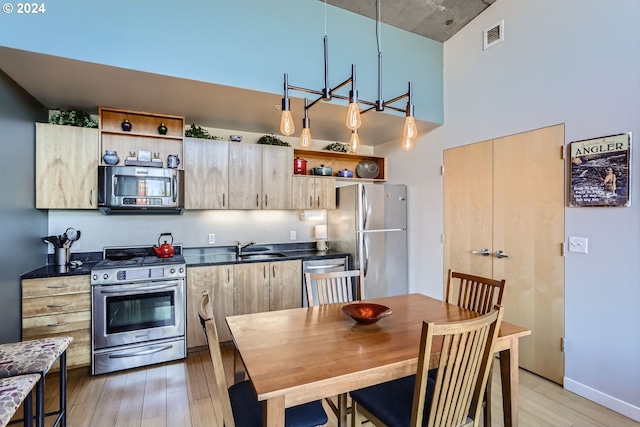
point(575, 62)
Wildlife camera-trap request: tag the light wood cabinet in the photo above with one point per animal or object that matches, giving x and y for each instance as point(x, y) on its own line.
point(66, 167)
point(277, 164)
point(207, 176)
point(314, 193)
point(260, 176)
point(59, 306)
point(285, 286)
point(245, 176)
point(241, 289)
point(219, 281)
point(143, 135)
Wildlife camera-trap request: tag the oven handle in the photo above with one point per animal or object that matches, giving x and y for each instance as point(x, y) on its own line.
point(136, 290)
point(141, 353)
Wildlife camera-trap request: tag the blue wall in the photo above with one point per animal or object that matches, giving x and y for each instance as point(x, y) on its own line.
point(241, 43)
point(20, 223)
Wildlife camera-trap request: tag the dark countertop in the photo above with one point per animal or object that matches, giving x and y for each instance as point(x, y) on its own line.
point(200, 257)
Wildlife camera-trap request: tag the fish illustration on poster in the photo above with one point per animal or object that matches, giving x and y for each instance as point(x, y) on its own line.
point(600, 171)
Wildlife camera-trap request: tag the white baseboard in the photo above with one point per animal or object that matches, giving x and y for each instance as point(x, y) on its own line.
point(624, 408)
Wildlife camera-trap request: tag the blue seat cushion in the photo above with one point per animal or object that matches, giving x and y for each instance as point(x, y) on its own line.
point(247, 411)
point(391, 402)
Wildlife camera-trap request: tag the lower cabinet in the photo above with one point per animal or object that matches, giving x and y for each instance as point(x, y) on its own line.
point(218, 280)
point(241, 289)
point(59, 306)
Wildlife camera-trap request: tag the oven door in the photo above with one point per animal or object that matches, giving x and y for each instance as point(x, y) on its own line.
point(134, 313)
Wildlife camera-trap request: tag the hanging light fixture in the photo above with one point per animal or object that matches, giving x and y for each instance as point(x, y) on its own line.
point(305, 138)
point(354, 142)
point(353, 120)
point(286, 122)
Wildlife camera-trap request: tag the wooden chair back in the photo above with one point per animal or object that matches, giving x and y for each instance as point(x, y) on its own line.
point(334, 287)
point(211, 334)
point(462, 373)
point(474, 293)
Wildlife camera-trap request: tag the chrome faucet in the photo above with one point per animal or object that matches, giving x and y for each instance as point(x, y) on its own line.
point(240, 247)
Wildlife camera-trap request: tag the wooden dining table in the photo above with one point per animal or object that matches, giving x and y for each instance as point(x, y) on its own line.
point(304, 354)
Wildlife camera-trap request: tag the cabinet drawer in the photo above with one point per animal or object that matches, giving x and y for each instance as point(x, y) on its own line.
point(55, 324)
point(79, 351)
point(56, 304)
point(55, 286)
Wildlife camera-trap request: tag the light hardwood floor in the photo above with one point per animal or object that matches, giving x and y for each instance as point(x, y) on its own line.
point(182, 394)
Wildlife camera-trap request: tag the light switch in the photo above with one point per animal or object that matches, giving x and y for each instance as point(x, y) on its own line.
point(578, 244)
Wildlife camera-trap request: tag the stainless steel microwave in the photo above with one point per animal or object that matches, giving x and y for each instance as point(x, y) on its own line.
point(132, 189)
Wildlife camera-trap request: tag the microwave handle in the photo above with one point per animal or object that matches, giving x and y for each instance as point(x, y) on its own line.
point(174, 183)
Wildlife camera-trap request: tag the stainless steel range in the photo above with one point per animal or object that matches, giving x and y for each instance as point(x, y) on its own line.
point(138, 309)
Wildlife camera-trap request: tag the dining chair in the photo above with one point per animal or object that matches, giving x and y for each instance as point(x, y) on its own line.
point(331, 288)
point(15, 392)
point(452, 398)
point(240, 406)
point(334, 287)
point(479, 294)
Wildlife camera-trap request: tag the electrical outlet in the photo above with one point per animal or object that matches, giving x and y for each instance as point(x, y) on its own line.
point(578, 244)
point(293, 235)
point(212, 238)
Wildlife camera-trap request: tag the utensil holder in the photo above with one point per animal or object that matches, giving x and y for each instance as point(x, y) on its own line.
point(62, 256)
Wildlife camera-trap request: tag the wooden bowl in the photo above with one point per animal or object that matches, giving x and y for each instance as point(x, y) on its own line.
point(366, 313)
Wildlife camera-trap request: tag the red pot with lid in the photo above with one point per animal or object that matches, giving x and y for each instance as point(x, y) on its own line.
point(299, 166)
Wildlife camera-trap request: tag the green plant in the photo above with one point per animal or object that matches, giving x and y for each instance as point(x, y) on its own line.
point(73, 118)
point(197, 132)
point(339, 147)
point(272, 140)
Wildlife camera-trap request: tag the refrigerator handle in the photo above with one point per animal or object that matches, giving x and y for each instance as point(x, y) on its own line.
point(365, 253)
point(365, 207)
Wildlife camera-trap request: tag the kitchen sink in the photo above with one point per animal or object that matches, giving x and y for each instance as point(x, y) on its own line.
point(261, 256)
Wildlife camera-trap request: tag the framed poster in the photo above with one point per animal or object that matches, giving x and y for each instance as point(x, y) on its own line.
point(600, 171)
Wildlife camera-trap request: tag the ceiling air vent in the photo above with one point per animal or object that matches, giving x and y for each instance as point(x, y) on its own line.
point(494, 34)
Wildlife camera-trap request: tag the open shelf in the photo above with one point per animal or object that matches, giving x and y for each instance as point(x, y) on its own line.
point(339, 161)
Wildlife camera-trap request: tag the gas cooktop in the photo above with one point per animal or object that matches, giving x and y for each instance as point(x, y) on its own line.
point(131, 257)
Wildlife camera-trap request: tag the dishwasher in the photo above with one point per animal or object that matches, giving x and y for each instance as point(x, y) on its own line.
point(326, 265)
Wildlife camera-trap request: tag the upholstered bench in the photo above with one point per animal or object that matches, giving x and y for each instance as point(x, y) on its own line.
point(13, 392)
point(37, 357)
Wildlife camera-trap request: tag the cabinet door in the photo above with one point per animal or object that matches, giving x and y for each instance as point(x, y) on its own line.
point(207, 174)
point(325, 193)
point(218, 280)
point(277, 180)
point(66, 167)
point(303, 192)
point(245, 176)
point(285, 285)
point(251, 282)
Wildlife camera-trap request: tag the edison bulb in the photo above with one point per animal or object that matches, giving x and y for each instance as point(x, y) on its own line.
point(410, 130)
point(354, 142)
point(407, 144)
point(286, 123)
point(353, 116)
point(305, 138)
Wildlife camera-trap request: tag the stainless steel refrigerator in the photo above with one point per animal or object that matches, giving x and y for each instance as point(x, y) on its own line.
point(370, 223)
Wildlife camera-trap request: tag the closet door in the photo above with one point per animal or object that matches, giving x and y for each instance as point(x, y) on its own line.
point(507, 195)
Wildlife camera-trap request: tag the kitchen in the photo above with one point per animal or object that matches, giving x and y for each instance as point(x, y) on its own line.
point(420, 170)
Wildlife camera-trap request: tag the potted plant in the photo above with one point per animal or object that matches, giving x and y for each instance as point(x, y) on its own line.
point(272, 140)
point(198, 132)
point(75, 117)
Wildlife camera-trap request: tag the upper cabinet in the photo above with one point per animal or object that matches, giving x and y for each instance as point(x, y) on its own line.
point(314, 192)
point(66, 165)
point(131, 132)
point(260, 176)
point(339, 161)
point(207, 174)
